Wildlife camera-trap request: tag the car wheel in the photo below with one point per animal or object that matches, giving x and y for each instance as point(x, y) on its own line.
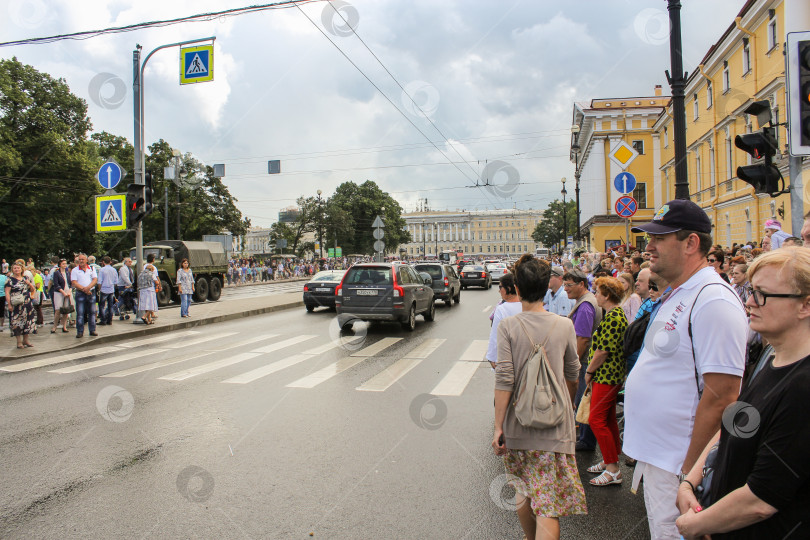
point(430, 314)
point(410, 323)
point(489, 285)
point(310, 307)
point(457, 297)
point(448, 302)
point(214, 289)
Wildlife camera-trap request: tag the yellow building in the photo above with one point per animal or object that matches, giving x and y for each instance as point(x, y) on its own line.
point(496, 233)
point(745, 65)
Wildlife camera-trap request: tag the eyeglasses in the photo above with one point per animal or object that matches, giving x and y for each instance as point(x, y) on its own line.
point(760, 297)
point(568, 285)
point(712, 260)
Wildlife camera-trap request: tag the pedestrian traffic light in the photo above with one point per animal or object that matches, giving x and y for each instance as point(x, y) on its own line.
point(147, 195)
point(798, 92)
point(135, 204)
point(764, 177)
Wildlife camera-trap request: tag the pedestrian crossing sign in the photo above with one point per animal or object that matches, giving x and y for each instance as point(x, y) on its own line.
point(197, 64)
point(110, 213)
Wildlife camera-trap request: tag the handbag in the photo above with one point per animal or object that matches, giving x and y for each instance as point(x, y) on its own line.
point(539, 401)
point(17, 299)
point(67, 306)
point(584, 409)
point(703, 490)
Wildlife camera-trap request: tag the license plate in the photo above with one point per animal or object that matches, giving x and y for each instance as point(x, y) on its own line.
point(322, 289)
point(472, 275)
point(366, 292)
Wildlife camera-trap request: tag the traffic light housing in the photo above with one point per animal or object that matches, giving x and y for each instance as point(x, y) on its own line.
point(147, 195)
point(804, 95)
point(135, 204)
point(760, 145)
point(797, 85)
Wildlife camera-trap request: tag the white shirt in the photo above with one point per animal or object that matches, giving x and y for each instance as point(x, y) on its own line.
point(83, 277)
point(559, 303)
point(661, 393)
point(502, 311)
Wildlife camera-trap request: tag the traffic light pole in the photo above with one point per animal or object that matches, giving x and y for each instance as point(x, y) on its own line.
point(677, 82)
point(137, 94)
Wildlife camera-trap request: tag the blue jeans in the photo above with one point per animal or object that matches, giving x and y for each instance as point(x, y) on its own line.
point(105, 304)
point(84, 307)
point(185, 300)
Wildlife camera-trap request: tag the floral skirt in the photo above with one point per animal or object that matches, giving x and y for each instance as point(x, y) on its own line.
point(549, 479)
point(23, 318)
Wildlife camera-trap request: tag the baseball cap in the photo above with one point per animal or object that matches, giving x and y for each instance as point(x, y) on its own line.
point(677, 215)
point(558, 271)
point(773, 224)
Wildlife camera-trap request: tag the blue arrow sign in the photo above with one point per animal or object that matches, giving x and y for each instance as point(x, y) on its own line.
point(109, 175)
point(626, 206)
point(624, 182)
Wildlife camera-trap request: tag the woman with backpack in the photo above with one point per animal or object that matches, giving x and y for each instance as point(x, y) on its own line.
point(541, 458)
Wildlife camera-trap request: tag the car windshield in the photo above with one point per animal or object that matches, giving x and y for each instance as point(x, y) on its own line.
point(328, 276)
point(431, 269)
point(475, 268)
point(365, 275)
point(496, 267)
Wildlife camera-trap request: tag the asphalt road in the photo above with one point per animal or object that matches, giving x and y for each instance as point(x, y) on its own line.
point(272, 427)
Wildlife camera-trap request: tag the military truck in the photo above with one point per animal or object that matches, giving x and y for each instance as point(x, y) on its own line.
point(207, 260)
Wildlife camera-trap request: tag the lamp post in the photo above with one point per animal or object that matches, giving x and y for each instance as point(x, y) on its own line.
point(577, 172)
point(320, 225)
point(565, 218)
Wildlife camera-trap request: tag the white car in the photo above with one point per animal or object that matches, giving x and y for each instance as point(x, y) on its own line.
point(497, 271)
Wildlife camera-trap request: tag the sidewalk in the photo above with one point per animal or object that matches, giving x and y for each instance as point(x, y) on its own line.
point(206, 313)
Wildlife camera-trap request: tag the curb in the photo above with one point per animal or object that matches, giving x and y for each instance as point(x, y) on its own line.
point(141, 332)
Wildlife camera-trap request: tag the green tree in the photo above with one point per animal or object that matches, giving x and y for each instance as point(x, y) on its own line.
point(362, 204)
point(46, 166)
point(282, 231)
point(549, 231)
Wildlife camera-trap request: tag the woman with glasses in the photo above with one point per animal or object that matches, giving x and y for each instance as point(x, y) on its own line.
point(761, 475)
point(715, 259)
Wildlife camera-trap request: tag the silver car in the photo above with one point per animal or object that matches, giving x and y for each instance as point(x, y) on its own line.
point(497, 271)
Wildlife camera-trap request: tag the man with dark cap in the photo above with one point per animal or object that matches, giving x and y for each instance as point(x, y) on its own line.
point(690, 366)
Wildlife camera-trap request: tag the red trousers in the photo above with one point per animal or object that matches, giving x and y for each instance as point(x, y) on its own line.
point(603, 420)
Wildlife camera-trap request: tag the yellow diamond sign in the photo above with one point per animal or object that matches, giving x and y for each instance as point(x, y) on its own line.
point(623, 155)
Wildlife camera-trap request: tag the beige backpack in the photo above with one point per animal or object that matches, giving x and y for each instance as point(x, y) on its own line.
point(539, 401)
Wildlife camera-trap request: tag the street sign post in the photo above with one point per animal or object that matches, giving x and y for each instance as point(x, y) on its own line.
point(110, 174)
point(330, 253)
point(111, 213)
point(197, 64)
point(338, 251)
point(624, 182)
point(379, 233)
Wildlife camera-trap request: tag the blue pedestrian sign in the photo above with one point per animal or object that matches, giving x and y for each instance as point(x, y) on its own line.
point(110, 174)
point(110, 213)
point(197, 64)
point(624, 182)
point(626, 206)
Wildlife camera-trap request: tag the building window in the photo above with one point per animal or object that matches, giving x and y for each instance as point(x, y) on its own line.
point(640, 195)
point(639, 146)
point(746, 56)
point(709, 96)
point(695, 106)
point(729, 158)
point(698, 173)
point(726, 79)
point(666, 137)
point(772, 30)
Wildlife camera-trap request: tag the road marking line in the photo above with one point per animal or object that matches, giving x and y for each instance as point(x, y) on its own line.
point(456, 380)
point(425, 349)
point(157, 339)
point(197, 341)
point(58, 359)
point(314, 379)
point(381, 345)
point(269, 369)
point(107, 361)
point(323, 348)
point(486, 309)
point(207, 368)
point(250, 341)
point(281, 344)
point(476, 351)
point(384, 379)
point(158, 364)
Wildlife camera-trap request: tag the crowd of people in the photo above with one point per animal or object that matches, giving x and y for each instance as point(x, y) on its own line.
point(251, 270)
point(710, 348)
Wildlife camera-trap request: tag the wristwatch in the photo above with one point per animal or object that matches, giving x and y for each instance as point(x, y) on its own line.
point(682, 477)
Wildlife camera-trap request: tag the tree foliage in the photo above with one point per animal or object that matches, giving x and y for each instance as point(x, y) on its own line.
point(549, 231)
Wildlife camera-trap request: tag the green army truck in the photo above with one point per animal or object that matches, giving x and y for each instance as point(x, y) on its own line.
point(207, 260)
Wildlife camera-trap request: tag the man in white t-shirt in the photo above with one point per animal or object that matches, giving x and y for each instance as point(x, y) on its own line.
point(679, 387)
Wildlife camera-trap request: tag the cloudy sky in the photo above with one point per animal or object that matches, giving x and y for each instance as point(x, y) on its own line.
point(496, 81)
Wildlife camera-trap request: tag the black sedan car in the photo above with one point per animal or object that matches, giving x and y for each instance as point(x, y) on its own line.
point(320, 290)
point(475, 276)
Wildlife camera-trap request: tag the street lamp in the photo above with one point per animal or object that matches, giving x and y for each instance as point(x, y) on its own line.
point(577, 172)
point(565, 217)
point(320, 225)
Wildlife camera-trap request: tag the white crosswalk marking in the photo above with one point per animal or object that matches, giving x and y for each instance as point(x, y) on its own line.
point(326, 373)
point(476, 350)
point(486, 309)
point(58, 359)
point(384, 379)
point(281, 344)
point(207, 368)
point(381, 345)
point(157, 339)
point(426, 348)
point(158, 364)
point(457, 379)
point(107, 361)
point(278, 365)
point(250, 341)
point(202, 339)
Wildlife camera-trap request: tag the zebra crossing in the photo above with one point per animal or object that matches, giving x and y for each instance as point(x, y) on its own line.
point(274, 352)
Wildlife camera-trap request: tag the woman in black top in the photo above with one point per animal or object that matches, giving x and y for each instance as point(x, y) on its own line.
point(761, 482)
